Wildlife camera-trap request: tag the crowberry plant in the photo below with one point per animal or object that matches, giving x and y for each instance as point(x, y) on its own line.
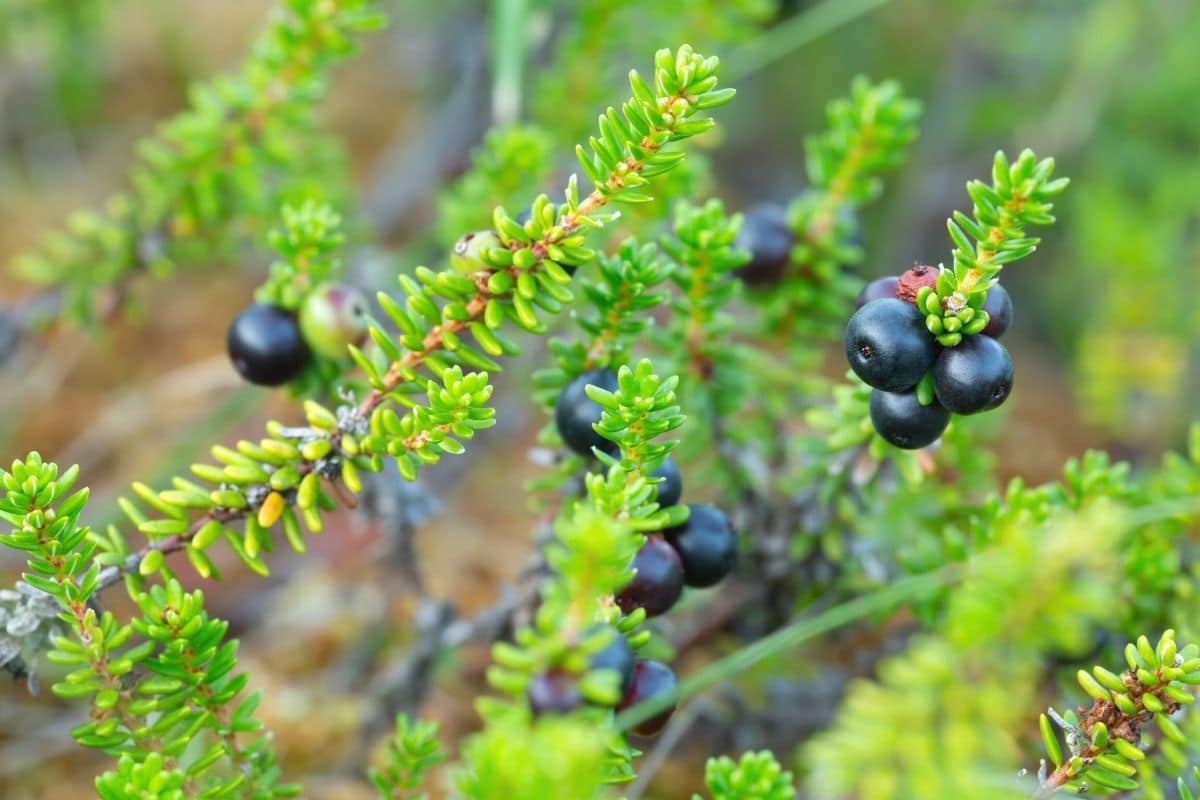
point(913, 618)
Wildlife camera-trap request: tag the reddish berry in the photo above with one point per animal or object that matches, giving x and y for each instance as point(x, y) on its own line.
point(651, 679)
point(914, 280)
point(553, 692)
point(657, 582)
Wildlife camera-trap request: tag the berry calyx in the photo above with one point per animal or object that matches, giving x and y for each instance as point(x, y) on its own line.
point(766, 236)
point(467, 256)
point(553, 692)
point(670, 488)
point(901, 419)
point(617, 655)
point(888, 345)
point(706, 544)
point(265, 345)
point(332, 317)
point(999, 308)
point(878, 289)
point(651, 679)
point(657, 581)
point(912, 280)
point(975, 376)
point(575, 413)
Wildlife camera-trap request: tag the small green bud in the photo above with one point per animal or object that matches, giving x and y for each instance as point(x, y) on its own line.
point(468, 254)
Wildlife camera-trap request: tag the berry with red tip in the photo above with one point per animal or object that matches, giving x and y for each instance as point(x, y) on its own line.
point(265, 345)
point(657, 582)
point(878, 289)
point(901, 420)
point(766, 236)
point(670, 488)
point(651, 679)
point(888, 345)
point(975, 376)
point(999, 307)
point(575, 413)
point(333, 317)
point(553, 692)
point(706, 544)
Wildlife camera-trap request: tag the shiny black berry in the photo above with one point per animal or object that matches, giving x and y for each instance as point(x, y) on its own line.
point(878, 289)
point(766, 236)
point(706, 544)
point(575, 413)
point(553, 692)
point(888, 345)
point(651, 679)
point(617, 655)
point(670, 489)
point(265, 345)
point(657, 581)
point(901, 420)
point(975, 376)
point(999, 307)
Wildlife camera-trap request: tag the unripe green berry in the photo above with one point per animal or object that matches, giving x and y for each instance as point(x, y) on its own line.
point(332, 317)
point(467, 255)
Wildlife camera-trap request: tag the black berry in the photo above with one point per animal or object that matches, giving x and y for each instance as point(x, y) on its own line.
point(975, 376)
point(553, 692)
point(617, 655)
point(670, 489)
point(575, 413)
point(657, 582)
point(901, 420)
point(888, 345)
point(265, 345)
point(999, 307)
point(651, 679)
point(706, 544)
point(766, 236)
point(878, 289)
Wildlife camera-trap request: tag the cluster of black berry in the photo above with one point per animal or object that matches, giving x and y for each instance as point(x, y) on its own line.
point(699, 553)
point(890, 347)
point(270, 346)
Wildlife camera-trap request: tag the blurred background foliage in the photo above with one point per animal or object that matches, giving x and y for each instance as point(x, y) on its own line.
point(1106, 327)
